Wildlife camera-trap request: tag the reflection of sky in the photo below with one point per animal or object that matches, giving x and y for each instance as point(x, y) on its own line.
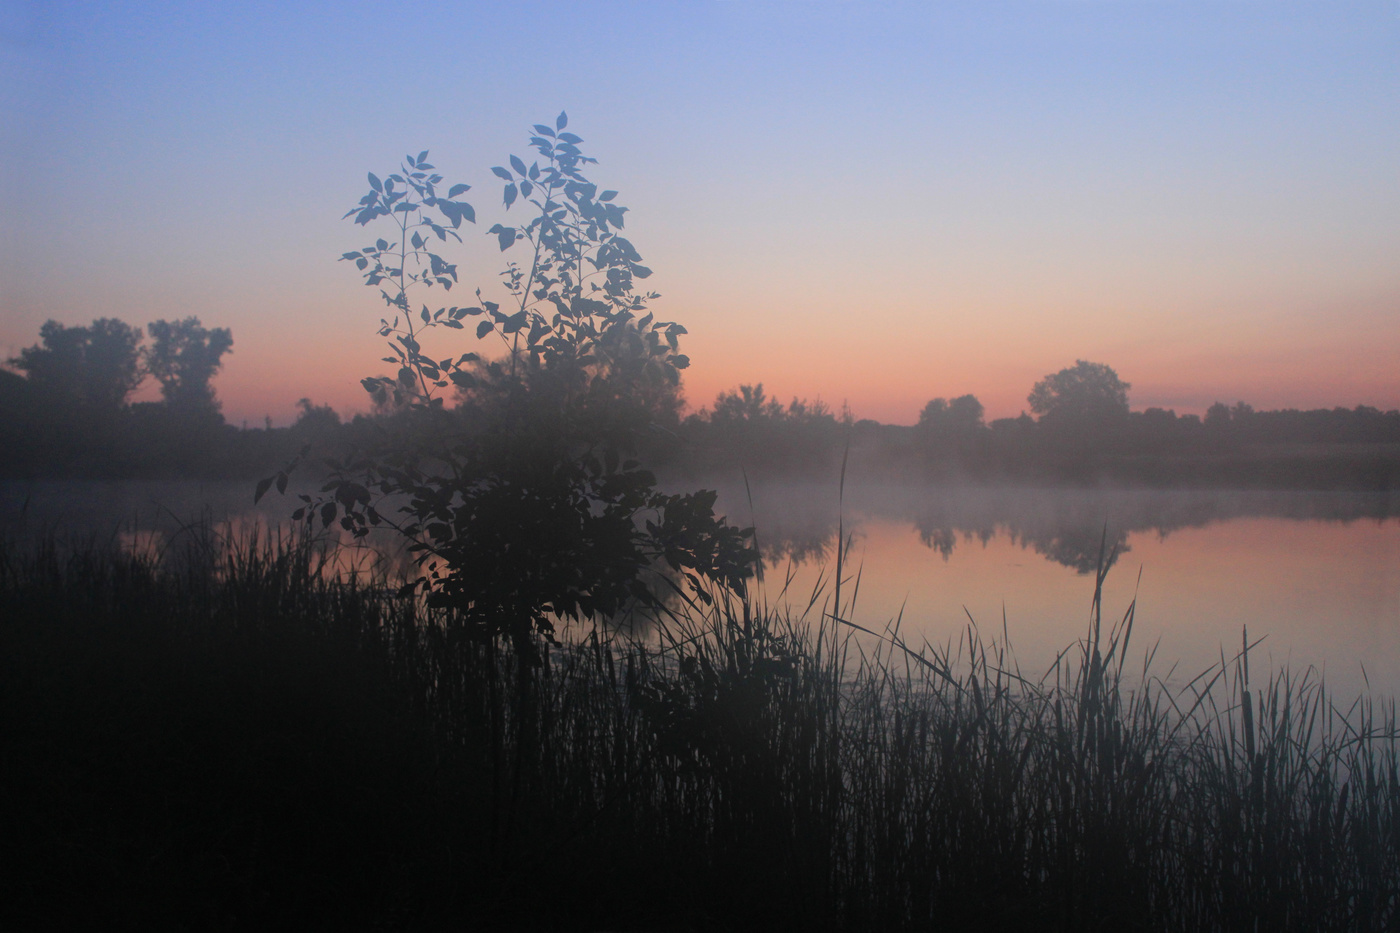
point(1324, 593)
point(877, 202)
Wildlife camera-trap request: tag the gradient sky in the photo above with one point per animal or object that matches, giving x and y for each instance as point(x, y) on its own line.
point(869, 202)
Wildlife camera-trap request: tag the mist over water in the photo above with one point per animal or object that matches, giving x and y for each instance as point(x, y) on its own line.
point(1316, 575)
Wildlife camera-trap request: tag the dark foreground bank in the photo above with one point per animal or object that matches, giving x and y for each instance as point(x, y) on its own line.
point(225, 738)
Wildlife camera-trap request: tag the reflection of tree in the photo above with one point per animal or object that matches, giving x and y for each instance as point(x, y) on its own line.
point(805, 547)
point(939, 531)
point(1077, 548)
point(941, 538)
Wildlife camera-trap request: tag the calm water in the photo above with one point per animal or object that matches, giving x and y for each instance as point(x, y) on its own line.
point(1316, 575)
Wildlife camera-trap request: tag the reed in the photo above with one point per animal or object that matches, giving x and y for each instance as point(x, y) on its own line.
point(233, 732)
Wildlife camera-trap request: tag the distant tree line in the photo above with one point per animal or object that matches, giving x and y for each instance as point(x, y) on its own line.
point(65, 411)
point(1079, 429)
point(749, 428)
point(65, 406)
point(98, 367)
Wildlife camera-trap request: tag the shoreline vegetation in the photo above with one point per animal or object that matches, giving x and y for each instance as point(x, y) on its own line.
point(223, 735)
point(43, 436)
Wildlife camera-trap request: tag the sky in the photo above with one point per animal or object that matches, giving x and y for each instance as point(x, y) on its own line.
point(868, 203)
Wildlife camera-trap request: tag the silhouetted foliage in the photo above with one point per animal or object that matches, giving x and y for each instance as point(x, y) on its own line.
point(525, 506)
point(69, 417)
point(1082, 392)
point(96, 366)
point(746, 428)
point(183, 357)
point(961, 416)
point(315, 419)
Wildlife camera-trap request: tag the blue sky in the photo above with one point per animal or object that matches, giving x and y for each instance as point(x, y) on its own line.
point(875, 203)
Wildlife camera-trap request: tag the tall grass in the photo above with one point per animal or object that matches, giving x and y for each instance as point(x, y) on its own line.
point(227, 731)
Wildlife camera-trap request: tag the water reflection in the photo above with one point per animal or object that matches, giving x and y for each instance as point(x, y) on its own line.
point(1317, 573)
point(1069, 527)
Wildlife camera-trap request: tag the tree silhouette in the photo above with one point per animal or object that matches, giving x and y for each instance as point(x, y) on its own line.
point(1084, 392)
point(96, 366)
point(748, 403)
point(962, 415)
point(184, 357)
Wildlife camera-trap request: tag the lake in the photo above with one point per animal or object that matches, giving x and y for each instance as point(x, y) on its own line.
point(1316, 575)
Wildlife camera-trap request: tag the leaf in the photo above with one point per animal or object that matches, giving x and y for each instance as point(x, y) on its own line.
point(570, 138)
point(681, 361)
point(281, 482)
point(422, 157)
point(263, 486)
point(607, 195)
point(327, 514)
point(484, 328)
point(510, 194)
point(506, 237)
point(458, 189)
point(502, 173)
point(455, 212)
point(375, 183)
point(561, 121)
point(465, 380)
point(515, 322)
point(543, 130)
point(518, 165)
